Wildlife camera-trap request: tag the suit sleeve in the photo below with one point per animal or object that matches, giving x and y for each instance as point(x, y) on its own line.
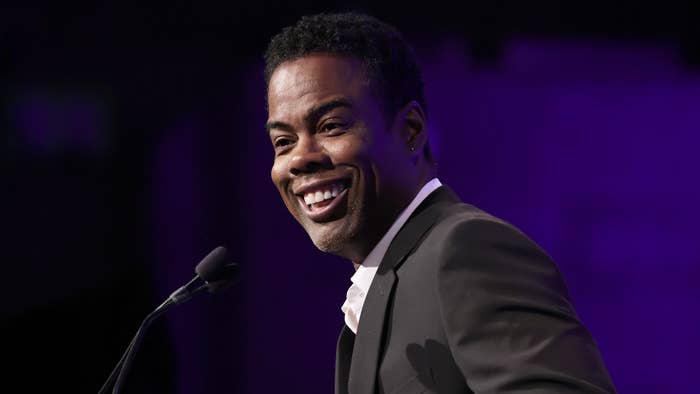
point(508, 319)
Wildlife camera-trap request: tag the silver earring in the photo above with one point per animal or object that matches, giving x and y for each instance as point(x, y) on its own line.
point(413, 149)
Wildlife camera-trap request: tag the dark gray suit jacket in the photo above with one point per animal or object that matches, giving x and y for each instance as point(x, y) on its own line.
point(463, 302)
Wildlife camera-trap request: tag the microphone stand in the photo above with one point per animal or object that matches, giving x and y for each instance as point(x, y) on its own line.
point(212, 274)
point(121, 370)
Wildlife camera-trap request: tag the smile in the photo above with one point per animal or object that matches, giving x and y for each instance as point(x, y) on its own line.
point(320, 203)
point(328, 192)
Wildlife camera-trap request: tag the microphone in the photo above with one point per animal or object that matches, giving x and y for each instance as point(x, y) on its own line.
point(213, 274)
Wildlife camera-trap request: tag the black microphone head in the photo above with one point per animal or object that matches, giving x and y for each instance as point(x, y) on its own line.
point(211, 268)
point(229, 276)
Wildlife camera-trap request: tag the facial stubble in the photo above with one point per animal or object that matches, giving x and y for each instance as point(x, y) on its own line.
point(336, 240)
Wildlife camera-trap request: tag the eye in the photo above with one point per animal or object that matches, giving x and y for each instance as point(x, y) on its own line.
point(282, 142)
point(330, 126)
point(333, 128)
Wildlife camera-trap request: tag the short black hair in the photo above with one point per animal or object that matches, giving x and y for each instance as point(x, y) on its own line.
point(389, 60)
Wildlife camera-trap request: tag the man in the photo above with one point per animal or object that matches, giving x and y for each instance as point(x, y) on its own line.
point(445, 298)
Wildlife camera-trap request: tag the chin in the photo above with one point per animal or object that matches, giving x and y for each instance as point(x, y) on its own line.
point(326, 245)
point(333, 240)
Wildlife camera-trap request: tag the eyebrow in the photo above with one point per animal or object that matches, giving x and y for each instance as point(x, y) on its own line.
point(313, 114)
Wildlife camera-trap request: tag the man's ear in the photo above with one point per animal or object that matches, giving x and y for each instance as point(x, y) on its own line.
point(412, 126)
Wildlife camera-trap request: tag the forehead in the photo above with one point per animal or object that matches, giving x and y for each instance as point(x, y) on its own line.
point(303, 82)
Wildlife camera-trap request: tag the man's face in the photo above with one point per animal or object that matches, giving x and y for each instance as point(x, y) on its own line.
point(342, 169)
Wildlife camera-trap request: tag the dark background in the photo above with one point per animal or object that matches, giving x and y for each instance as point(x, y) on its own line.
point(133, 143)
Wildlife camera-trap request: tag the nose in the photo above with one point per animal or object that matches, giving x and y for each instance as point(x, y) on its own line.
point(307, 157)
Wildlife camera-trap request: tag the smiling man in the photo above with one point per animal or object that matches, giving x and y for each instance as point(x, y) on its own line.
point(446, 298)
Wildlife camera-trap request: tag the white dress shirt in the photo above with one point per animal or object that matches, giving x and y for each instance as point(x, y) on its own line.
point(362, 279)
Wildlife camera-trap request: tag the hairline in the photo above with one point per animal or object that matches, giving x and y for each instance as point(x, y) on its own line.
point(371, 78)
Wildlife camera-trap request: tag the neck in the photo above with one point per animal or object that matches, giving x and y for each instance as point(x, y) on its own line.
point(356, 251)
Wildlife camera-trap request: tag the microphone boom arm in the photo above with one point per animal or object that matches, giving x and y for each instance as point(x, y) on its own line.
point(215, 275)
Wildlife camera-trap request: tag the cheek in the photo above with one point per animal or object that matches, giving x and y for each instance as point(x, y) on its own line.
point(276, 174)
point(350, 150)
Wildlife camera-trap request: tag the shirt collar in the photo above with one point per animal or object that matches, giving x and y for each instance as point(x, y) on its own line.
point(365, 272)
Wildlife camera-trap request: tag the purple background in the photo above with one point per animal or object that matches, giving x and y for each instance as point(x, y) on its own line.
point(588, 144)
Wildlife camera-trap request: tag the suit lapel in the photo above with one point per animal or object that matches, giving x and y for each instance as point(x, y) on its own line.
point(370, 333)
point(343, 356)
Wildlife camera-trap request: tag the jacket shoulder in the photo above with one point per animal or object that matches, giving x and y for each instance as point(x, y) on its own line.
point(462, 222)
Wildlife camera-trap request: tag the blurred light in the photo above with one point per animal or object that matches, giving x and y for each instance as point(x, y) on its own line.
point(57, 122)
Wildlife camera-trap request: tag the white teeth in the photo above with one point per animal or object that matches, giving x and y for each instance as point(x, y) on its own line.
point(321, 195)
